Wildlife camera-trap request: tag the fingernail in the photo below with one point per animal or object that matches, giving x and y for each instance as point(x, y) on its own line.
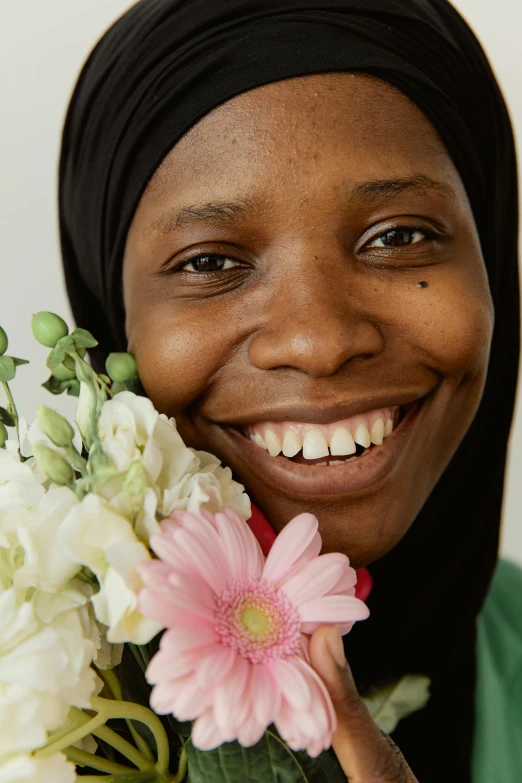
point(335, 643)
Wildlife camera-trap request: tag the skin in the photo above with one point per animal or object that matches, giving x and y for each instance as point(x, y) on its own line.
point(311, 316)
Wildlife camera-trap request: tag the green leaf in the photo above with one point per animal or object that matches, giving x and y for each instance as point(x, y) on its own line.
point(56, 356)
point(270, 761)
point(83, 339)
point(73, 388)
point(55, 386)
point(389, 704)
point(19, 362)
point(6, 418)
point(7, 369)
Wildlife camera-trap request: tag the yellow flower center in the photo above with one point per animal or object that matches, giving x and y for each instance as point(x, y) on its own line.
point(254, 621)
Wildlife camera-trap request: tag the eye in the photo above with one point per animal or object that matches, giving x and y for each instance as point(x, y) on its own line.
point(402, 236)
point(209, 263)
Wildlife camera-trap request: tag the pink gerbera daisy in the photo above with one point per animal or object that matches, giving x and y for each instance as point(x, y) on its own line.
point(234, 657)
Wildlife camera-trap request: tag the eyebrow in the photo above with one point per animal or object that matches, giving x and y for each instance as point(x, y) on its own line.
point(225, 212)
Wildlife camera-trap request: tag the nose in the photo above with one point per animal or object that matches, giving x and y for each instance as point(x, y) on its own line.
point(315, 321)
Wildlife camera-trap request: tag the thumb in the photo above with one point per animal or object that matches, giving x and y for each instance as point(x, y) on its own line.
point(366, 754)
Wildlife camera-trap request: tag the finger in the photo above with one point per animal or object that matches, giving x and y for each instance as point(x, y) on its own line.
point(366, 754)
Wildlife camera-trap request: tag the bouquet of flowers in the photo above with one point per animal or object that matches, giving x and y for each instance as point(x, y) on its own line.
point(145, 635)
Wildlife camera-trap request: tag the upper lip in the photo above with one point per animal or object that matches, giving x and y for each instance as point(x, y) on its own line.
point(323, 414)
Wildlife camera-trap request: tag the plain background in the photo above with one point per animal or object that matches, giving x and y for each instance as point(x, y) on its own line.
point(44, 45)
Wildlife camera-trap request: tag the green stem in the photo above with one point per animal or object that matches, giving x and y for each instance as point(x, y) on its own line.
point(122, 746)
point(110, 678)
point(107, 709)
point(11, 407)
point(85, 759)
point(150, 776)
point(182, 766)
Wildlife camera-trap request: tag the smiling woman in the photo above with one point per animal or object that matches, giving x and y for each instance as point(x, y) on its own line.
point(302, 223)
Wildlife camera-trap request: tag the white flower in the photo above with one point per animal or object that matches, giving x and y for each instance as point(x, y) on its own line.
point(129, 427)
point(105, 542)
point(27, 769)
point(52, 661)
point(20, 482)
point(47, 565)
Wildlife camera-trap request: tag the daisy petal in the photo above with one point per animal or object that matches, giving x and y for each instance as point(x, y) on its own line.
point(214, 665)
point(294, 540)
point(291, 681)
point(266, 696)
point(333, 609)
point(315, 579)
point(244, 558)
point(205, 732)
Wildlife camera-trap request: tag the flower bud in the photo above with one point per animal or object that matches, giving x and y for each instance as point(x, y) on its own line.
point(121, 367)
point(3, 435)
point(136, 480)
point(53, 464)
point(3, 342)
point(61, 373)
point(48, 328)
point(57, 429)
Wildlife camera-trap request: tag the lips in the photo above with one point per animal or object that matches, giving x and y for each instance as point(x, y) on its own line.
point(332, 475)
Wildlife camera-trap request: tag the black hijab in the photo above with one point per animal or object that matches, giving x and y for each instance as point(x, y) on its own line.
point(154, 74)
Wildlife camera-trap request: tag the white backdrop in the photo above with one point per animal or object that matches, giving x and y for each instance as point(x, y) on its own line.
point(43, 47)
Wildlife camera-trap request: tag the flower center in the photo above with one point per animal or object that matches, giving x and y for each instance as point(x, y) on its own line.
point(257, 621)
point(254, 621)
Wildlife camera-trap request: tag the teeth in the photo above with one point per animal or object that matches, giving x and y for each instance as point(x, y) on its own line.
point(388, 427)
point(273, 443)
point(362, 436)
point(258, 440)
point(291, 444)
point(377, 432)
point(314, 445)
point(342, 443)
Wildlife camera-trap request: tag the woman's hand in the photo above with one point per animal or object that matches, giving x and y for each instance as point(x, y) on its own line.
point(366, 754)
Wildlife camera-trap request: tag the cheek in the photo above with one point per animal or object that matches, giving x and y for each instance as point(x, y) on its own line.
point(178, 352)
point(450, 323)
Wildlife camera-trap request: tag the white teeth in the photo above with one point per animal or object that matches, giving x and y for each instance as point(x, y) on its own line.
point(334, 462)
point(258, 440)
point(314, 445)
point(273, 443)
point(362, 436)
point(388, 427)
point(291, 444)
point(377, 432)
point(342, 443)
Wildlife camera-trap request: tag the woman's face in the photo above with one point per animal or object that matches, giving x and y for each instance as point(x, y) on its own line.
point(304, 273)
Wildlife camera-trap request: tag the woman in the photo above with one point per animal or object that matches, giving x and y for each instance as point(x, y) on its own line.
point(301, 217)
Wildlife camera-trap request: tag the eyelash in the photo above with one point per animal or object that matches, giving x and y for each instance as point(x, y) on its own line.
point(426, 235)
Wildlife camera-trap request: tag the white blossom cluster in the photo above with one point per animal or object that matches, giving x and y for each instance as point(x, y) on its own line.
point(68, 578)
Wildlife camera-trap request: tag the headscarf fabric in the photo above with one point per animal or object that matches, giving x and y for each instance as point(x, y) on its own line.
point(163, 66)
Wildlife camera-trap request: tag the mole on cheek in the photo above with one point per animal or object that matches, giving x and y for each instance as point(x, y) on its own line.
point(422, 284)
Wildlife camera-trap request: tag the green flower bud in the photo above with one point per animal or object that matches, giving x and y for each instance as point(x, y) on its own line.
point(48, 328)
point(53, 464)
point(3, 342)
point(136, 480)
point(57, 429)
point(3, 435)
point(121, 367)
point(61, 373)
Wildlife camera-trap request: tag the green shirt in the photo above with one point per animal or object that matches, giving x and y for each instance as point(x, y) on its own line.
point(497, 754)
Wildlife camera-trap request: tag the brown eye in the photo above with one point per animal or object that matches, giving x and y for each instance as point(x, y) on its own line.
point(398, 237)
point(209, 263)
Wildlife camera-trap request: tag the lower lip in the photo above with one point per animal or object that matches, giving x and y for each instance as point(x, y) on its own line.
point(359, 475)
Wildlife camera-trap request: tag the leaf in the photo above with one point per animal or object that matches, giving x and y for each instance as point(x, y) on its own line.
point(7, 369)
point(83, 339)
point(19, 362)
point(389, 704)
point(55, 386)
point(56, 356)
point(270, 761)
point(6, 418)
point(73, 388)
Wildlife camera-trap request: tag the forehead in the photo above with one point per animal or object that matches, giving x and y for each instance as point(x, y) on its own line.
point(332, 129)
